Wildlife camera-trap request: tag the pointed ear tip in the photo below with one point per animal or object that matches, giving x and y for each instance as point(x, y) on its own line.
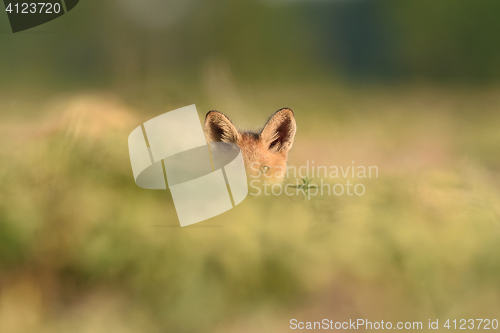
point(214, 116)
point(286, 111)
point(211, 113)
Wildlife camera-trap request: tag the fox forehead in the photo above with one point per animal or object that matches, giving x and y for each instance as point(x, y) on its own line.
point(254, 149)
point(251, 146)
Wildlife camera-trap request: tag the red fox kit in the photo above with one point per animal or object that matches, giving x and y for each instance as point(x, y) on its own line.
point(265, 152)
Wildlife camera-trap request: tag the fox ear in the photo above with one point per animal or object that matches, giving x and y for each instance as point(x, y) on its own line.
point(279, 131)
point(218, 128)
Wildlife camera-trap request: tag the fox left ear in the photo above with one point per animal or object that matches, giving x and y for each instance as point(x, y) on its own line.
point(218, 128)
point(279, 131)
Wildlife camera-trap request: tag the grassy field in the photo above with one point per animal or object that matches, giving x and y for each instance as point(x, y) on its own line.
point(83, 249)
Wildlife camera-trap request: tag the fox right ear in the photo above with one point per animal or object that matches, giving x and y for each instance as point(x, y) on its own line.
point(218, 128)
point(279, 131)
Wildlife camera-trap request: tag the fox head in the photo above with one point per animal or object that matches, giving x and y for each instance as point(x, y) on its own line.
point(265, 152)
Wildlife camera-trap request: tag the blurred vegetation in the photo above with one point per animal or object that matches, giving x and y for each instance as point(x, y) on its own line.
point(84, 249)
point(411, 87)
point(131, 46)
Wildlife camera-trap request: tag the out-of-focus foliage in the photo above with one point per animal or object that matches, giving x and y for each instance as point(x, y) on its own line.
point(83, 249)
point(122, 44)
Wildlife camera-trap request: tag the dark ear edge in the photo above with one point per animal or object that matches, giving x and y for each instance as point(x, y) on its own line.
point(218, 128)
point(279, 131)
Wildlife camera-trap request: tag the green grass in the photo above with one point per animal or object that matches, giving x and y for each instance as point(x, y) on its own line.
point(82, 248)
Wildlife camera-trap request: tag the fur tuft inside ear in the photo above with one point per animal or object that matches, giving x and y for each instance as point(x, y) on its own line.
point(279, 131)
point(218, 128)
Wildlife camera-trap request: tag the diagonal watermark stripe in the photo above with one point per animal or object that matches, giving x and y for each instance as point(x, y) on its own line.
point(205, 180)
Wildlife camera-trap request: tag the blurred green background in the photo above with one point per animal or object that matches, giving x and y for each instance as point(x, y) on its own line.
point(409, 86)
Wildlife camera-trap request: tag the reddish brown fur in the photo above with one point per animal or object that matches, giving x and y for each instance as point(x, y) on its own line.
point(265, 153)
